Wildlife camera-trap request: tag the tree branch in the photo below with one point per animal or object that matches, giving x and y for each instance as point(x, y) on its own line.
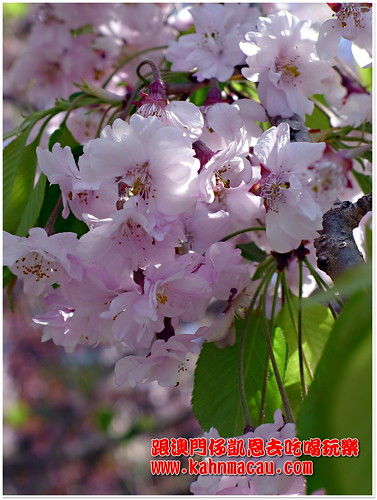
point(298, 130)
point(336, 248)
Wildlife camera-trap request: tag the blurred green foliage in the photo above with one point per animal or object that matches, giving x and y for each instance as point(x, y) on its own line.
point(15, 10)
point(366, 77)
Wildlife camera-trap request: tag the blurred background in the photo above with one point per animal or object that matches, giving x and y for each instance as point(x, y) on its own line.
point(67, 429)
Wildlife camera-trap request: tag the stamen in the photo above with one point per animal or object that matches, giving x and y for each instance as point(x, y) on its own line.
point(289, 69)
point(272, 190)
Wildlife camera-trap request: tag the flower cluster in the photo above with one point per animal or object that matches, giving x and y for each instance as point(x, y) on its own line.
point(159, 190)
point(78, 41)
point(172, 184)
point(277, 484)
point(156, 204)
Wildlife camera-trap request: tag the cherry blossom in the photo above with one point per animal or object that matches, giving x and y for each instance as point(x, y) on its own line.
point(60, 168)
point(127, 240)
point(154, 161)
point(278, 484)
point(282, 59)
point(213, 49)
point(291, 212)
point(352, 21)
point(44, 74)
point(180, 114)
point(223, 122)
point(164, 362)
point(329, 177)
point(198, 212)
point(42, 260)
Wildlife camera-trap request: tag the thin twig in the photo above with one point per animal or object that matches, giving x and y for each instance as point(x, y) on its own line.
point(286, 404)
point(49, 227)
point(241, 379)
point(299, 331)
point(232, 235)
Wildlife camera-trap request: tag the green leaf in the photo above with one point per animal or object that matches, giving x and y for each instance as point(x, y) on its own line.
point(64, 137)
point(86, 28)
point(364, 181)
point(366, 76)
point(262, 268)
point(12, 157)
point(104, 416)
point(339, 403)
point(368, 155)
point(246, 88)
point(317, 322)
point(368, 242)
point(251, 251)
point(349, 282)
point(365, 127)
point(19, 172)
point(8, 276)
point(318, 119)
point(199, 96)
point(33, 207)
point(273, 398)
point(216, 396)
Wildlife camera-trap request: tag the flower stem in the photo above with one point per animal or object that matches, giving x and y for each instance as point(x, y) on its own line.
point(323, 286)
point(154, 68)
point(286, 405)
point(291, 314)
point(127, 60)
point(72, 106)
point(276, 291)
point(49, 227)
point(100, 126)
point(245, 329)
point(265, 375)
point(299, 331)
point(232, 235)
point(264, 390)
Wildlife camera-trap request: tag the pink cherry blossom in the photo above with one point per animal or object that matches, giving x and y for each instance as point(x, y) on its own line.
point(129, 28)
point(60, 168)
point(223, 122)
point(282, 59)
point(352, 21)
point(173, 289)
point(44, 74)
point(163, 363)
point(292, 214)
point(42, 260)
point(229, 167)
point(329, 177)
point(126, 240)
point(183, 115)
point(155, 162)
point(72, 312)
point(277, 484)
point(205, 227)
point(214, 48)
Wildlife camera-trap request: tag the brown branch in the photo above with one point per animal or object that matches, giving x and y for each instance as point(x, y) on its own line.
point(49, 227)
point(336, 248)
point(297, 128)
